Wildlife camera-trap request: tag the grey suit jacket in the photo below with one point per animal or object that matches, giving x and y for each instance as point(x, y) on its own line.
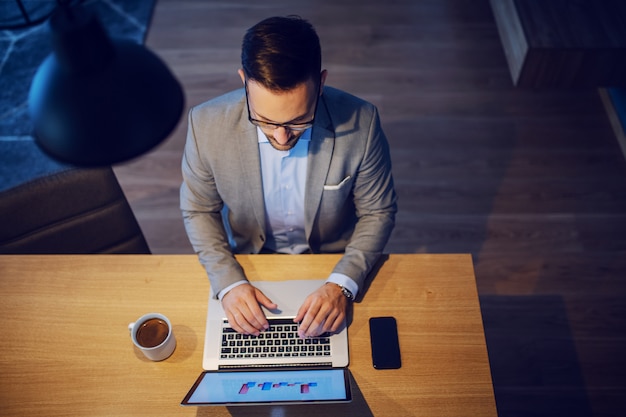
point(222, 175)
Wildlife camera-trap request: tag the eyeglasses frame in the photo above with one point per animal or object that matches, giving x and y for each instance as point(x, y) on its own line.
point(293, 127)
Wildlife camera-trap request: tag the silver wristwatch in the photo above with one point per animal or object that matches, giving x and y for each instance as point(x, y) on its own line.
point(346, 292)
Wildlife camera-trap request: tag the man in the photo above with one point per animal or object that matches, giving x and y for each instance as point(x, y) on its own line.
point(286, 165)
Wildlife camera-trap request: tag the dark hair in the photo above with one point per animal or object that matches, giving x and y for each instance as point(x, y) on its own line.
point(281, 52)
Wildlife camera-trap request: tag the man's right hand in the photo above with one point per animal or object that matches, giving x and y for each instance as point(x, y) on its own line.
point(242, 307)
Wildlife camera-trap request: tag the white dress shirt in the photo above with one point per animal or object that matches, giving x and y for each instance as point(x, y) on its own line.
point(284, 184)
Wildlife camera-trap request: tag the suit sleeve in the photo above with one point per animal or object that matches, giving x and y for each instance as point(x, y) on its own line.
point(201, 207)
point(376, 206)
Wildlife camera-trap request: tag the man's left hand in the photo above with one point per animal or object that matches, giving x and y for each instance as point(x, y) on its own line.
point(323, 311)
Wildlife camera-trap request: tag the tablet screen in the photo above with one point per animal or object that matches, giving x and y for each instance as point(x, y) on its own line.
point(270, 387)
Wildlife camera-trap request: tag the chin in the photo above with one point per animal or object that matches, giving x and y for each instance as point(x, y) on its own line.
point(289, 145)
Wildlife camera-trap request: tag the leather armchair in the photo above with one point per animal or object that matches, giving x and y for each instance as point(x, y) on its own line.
point(50, 208)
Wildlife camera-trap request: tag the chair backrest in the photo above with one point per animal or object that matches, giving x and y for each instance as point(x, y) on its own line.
point(68, 210)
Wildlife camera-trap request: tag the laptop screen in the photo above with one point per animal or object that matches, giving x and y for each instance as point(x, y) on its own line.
point(270, 387)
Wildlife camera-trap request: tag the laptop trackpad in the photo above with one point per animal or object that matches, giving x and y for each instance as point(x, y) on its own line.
point(288, 295)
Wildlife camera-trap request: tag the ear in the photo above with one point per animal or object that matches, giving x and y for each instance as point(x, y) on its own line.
point(242, 76)
point(323, 75)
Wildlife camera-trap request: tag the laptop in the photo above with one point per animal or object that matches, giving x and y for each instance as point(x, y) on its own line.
point(277, 367)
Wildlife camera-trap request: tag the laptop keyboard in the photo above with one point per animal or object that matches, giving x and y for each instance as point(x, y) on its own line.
point(279, 341)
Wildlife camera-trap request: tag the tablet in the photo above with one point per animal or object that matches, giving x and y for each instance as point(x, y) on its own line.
point(270, 387)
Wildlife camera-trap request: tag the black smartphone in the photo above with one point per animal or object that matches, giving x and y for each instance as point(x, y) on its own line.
point(385, 344)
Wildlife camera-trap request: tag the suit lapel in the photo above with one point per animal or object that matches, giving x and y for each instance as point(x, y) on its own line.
point(250, 166)
point(320, 154)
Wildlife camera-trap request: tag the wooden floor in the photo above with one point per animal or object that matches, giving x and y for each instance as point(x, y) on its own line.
point(532, 184)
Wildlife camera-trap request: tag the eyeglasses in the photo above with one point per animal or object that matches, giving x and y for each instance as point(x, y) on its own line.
point(270, 126)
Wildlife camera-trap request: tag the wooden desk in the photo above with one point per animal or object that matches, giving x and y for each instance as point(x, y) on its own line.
point(66, 348)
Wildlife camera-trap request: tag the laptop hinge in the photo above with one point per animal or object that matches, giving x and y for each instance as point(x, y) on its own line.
point(319, 365)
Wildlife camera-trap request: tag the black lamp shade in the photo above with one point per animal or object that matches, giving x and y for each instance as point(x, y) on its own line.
point(96, 101)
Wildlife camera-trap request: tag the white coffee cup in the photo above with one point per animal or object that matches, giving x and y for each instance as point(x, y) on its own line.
point(152, 334)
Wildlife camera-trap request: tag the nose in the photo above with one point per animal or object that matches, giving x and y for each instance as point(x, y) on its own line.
point(281, 134)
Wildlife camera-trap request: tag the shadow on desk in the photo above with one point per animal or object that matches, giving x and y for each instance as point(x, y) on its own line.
point(534, 362)
point(357, 408)
point(370, 278)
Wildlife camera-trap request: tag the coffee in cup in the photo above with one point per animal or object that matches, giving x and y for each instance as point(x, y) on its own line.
point(152, 334)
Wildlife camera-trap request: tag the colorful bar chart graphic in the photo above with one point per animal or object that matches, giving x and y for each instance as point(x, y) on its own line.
point(305, 388)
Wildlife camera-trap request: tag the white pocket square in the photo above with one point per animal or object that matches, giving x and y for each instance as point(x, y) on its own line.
point(337, 186)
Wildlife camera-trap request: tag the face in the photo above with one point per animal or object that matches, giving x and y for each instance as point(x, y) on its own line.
point(294, 108)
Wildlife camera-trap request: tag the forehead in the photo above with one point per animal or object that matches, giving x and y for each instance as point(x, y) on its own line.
point(281, 106)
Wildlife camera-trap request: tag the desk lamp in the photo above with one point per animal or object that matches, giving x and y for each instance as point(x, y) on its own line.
point(97, 101)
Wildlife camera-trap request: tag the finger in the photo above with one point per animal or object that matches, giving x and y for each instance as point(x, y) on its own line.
point(329, 319)
point(315, 331)
point(311, 322)
point(255, 317)
point(264, 300)
point(238, 321)
point(233, 323)
point(243, 311)
point(302, 311)
point(334, 325)
point(318, 325)
point(328, 322)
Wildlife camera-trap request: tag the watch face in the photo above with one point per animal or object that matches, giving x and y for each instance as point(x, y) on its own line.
point(347, 293)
